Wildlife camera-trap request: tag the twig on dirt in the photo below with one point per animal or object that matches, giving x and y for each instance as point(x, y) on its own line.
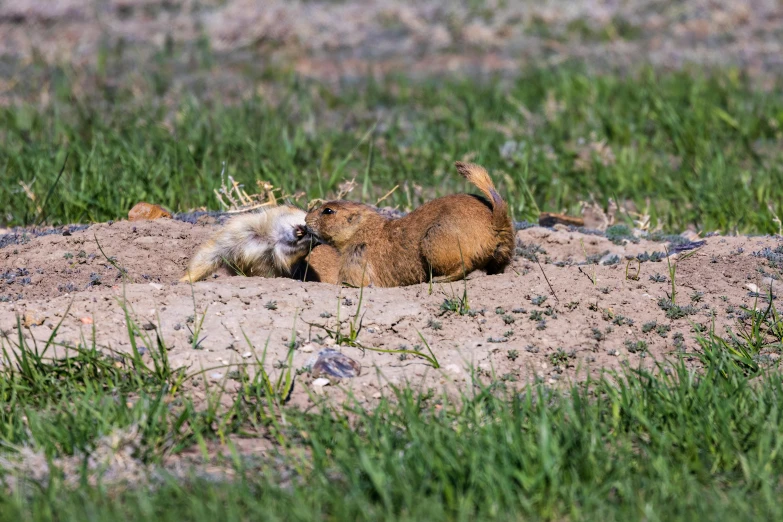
point(547, 280)
point(123, 272)
point(588, 276)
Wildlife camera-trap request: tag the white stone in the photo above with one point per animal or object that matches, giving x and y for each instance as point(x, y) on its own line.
point(453, 368)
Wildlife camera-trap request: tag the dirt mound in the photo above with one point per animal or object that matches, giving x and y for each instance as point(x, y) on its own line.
point(599, 316)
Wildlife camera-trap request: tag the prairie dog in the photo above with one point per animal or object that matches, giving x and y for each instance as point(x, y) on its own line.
point(321, 265)
point(269, 243)
point(445, 239)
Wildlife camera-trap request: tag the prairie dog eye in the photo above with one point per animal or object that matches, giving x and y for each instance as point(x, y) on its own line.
point(327, 211)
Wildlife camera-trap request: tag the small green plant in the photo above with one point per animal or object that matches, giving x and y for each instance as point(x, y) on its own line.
point(559, 357)
point(454, 305)
point(512, 355)
point(619, 234)
point(679, 340)
point(195, 339)
point(672, 276)
point(529, 251)
point(435, 325)
point(761, 330)
point(636, 346)
point(649, 327)
point(716, 348)
point(538, 300)
point(620, 320)
point(68, 255)
point(674, 311)
point(663, 329)
point(262, 384)
point(508, 319)
point(271, 305)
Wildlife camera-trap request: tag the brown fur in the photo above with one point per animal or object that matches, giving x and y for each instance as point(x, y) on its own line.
point(268, 243)
point(321, 265)
point(445, 239)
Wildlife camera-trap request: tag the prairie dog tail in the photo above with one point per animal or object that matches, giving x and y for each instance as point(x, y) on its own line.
point(501, 221)
point(477, 175)
point(207, 260)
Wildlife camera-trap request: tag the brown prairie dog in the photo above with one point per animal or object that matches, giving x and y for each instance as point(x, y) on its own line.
point(321, 265)
point(269, 243)
point(445, 239)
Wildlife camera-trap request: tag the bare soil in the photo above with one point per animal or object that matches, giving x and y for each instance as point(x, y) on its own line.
point(517, 329)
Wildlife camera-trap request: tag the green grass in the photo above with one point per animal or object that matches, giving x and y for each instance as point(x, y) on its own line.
point(703, 148)
point(629, 446)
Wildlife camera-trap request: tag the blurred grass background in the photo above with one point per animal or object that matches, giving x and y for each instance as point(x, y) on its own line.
point(690, 149)
point(671, 108)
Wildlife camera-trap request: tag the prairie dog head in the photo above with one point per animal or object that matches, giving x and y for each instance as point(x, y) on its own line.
point(336, 222)
point(287, 231)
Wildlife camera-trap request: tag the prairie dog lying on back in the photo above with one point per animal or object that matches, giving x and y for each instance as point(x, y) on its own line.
point(444, 239)
point(269, 243)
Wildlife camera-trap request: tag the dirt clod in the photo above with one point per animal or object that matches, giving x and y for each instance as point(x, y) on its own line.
point(33, 318)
